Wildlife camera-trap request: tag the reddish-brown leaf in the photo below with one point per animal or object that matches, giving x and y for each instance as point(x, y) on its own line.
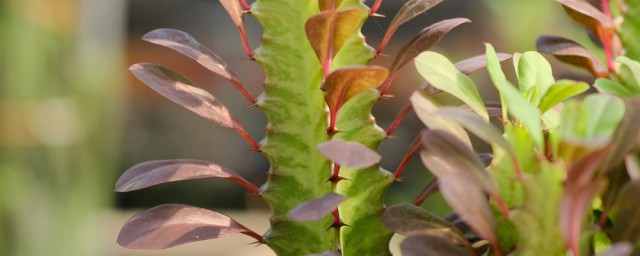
point(184, 43)
point(587, 15)
point(408, 220)
point(420, 245)
point(170, 225)
point(329, 30)
point(571, 52)
point(344, 83)
point(162, 171)
point(425, 39)
point(410, 10)
point(182, 91)
point(349, 154)
point(316, 209)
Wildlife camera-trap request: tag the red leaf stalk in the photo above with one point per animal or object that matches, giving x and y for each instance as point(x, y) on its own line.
point(385, 41)
point(415, 145)
point(396, 122)
point(375, 7)
point(245, 5)
point(244, 92)
point(388, 83)
point(240, 130)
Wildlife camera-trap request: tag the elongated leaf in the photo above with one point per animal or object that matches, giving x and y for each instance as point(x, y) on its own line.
point(470, 65)
point(512, 100)
point(561, 91)
point(349, 154)
point(316, 209)
point(425, 39)
point(462, 180)
point(162, 171)
point(420, 245)
point(426, 107)
point(571, 52)
point(344, 83)
point(329, 30)
point(408, 220)
point(184, 43)
point(627, 219)
point(235, 11)
point(612, 87)
point(170, 225)
point(182, 91)
point(534, 75)
point(474, 124)
point(410, 10)
point(587, 15)
point(442, 74)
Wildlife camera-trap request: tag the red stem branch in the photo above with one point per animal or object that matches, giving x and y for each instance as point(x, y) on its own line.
point(415, 145)
point(396, 122)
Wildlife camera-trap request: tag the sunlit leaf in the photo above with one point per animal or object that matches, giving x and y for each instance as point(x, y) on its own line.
point(329, 30)
point(442, 74)
point(627, 218)
point(629, 73)
point(170, 225)
point(619, 249)
point(184, 43)
point(424, 40)
point(609, 86)
point(426, 106)
point(420, 245)
point(534, 72)
point(462, 179)
point(349, 154)
point(474, 124)
point(512, 100)
point(571, 52)
point(561, 91)
point(408, 220)
point(593, 119)
point(587, 15)
point(344, 83)
point(162, 171)
point(182, 91)
point(316, 209)
point(409, 10)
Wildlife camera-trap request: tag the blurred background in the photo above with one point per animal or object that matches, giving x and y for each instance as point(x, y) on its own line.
point(72, 118)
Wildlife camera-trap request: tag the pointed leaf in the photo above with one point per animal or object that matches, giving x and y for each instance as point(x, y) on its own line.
point(512, 100)
point(587, 15)
point(316, 209)
point(344, 83)
point(629, 73)
point(474, 124)
point(170, 225)
point(410, 10)
point(470, 65)
point(408, 220)
point(420, 245)
point(571, 52)
point(442, 74)
point(349, 154)
point(425, 39)
point(609, 86)
point(627, 219)
point(329, 30)
point(534, 72)
point(162, 171)
point(561, 91)
point(426, 107)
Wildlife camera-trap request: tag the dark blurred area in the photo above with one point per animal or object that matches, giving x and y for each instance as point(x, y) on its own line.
point(72, 118)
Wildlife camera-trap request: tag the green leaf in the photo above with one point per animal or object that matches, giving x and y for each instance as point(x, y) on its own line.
point(561, 91)
point(609, 86)
point(512, 101)
point(629, 73)
point(426, 106)
point(442, 74)
point(629, 30)
point(591, 121)
point(534, 72)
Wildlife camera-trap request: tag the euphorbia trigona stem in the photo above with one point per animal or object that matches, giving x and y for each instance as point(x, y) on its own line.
point(396, 122)
point(415, 145)
point(375, 7)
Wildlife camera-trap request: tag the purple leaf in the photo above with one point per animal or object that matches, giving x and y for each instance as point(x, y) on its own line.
point(408, 220)
point(421, 245)
point(425, 39)
point(410, 10)
point(571, 52)
point(182, 91)
point(587, 15)
point(470, 65)
point(349, 154)
point(170, 225)
point(316, 209)
point(161, 171)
